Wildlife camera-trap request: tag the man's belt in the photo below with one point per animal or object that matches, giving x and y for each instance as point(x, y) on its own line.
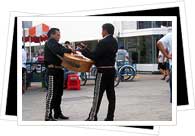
point(54, 66)
point(106, 67)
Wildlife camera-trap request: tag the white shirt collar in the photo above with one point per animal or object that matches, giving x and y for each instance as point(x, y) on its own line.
point(106, 36)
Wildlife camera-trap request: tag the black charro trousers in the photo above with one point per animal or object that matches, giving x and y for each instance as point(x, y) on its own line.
point(55, 92)
point(104, 82)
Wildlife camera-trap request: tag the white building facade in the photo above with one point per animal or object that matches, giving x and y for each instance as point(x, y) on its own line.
point(138, 38)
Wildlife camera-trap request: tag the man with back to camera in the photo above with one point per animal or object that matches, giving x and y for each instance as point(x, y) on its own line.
point(166, 43)
point(55, 75)
point(122, 55)
point(104, 57)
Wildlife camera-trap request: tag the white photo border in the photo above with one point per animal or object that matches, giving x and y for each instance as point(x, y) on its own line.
point(101, 11)
point(129, 129)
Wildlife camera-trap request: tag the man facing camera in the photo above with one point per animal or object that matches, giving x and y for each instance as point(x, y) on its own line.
point(104, 57)
point(55, 75)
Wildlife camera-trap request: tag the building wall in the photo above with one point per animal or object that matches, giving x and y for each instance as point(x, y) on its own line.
point(138, 38)
point(126, 25)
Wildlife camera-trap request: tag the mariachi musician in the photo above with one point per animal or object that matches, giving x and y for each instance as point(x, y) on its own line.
point(104, 57)
point(55, 75)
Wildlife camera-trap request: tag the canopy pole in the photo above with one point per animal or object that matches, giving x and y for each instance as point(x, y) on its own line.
point(30, 50)
point(23, 38)
point(40, 40)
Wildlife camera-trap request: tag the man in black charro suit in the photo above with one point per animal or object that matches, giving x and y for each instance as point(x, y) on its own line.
point(55, 75)
point(104, 57)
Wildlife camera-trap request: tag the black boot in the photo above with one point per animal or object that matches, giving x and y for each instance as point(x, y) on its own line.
point(50, 118)
point(108, 119)
point(94, 119)
point(61, 116)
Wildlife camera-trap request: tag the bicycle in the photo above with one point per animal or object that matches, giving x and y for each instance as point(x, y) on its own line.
point(126, 71)
point(85, 76)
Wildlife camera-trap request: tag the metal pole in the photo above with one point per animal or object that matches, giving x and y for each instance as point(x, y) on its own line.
point(23, 37)
point(30, 50)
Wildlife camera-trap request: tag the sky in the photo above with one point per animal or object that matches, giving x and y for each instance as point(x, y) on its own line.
point(76, 30)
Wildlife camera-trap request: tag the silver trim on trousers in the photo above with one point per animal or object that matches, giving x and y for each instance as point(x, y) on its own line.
point(49, 96)
point(96, 96)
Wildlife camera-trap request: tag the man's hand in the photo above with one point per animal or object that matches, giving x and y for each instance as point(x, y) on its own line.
point(73, 51)
point(69, 47)
point(169, 56)
point(82, 46)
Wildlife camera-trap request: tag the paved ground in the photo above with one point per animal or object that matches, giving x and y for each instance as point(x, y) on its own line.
point(144, 99)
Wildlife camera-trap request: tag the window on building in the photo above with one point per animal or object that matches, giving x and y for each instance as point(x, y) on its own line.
point(153, 24)
point(144, 24)
point(142, 49)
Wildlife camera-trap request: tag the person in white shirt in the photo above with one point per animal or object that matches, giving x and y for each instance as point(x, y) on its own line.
point(166, 42)
point(122, 57)
point(24, 58)
point(122, 54)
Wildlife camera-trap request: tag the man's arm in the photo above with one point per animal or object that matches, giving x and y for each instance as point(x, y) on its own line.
point(95, 55)
point(87, 53)
point(57, 49)
point(162, 49)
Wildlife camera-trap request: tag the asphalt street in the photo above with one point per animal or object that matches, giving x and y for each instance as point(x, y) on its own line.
point(144, 99)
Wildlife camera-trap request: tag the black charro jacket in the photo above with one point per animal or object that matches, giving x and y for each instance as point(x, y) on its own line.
point(104, 53)
point(51, 50)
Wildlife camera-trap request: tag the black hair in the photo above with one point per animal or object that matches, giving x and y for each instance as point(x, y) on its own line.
point(109, 28)
point(52, 31)
point(67, 42)
point(121, 47)
point(23, 46)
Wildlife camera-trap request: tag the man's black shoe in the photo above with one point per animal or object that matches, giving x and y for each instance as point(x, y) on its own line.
point(50, 119)
point(95, 119)
point(88, 119)
point(107, 119)
point(61, 116)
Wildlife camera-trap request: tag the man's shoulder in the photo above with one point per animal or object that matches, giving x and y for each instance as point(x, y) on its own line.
point(108, 38)
point(51, 41)
point(167, 36)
